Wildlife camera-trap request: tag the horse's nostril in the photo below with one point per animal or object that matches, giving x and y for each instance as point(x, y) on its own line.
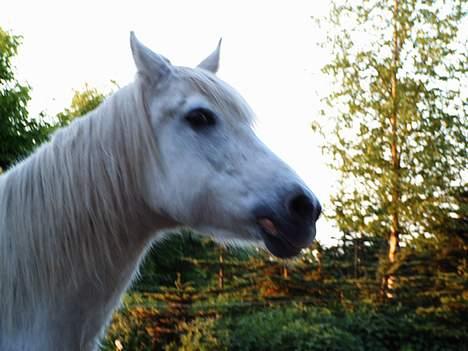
point(302, 206)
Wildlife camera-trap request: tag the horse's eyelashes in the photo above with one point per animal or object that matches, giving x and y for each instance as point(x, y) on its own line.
point(200, 118)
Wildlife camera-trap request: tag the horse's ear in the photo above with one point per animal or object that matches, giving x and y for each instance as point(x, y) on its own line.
point(151, 65)
point(211, 63)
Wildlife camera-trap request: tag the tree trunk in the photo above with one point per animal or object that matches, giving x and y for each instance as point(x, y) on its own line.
point(221, 270)
point(285, 272)
point(394, 240)
point(355, 258)
point(395, 228)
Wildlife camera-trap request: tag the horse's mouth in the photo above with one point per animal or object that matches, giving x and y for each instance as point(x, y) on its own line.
point(275, 240)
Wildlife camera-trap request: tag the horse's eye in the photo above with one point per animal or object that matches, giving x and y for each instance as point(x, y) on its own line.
point(200, 118)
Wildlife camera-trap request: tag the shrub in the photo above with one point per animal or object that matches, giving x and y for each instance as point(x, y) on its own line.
point(199, 336)
point(287, 329)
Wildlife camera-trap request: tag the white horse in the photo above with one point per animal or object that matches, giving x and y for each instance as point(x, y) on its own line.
point(174, 148)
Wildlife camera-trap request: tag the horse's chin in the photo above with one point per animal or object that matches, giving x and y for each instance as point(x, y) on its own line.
point(279, 247)
point(275, 244)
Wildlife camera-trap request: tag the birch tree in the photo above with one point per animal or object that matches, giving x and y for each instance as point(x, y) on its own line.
point(395, 121)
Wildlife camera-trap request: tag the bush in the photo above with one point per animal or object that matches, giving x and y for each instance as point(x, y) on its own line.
point(294, 328)
point(287, 329)
point(130, 328)
point(199, 336)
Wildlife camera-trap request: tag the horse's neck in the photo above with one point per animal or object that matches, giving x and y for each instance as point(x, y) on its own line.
point(75, 226)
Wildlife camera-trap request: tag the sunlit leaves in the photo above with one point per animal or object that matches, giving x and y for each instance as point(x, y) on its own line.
point(432, 124)
point(83, 101)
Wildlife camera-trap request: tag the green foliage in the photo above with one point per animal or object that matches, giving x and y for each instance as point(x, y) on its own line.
point(179, 254)
point(329, 300)
point(432, 272)
point(431, 131)
point(312, 328)
point(295, 327)
point(132, 328)
point(19, 134)
point(286, 329)
point(83, 101)
point(200, 336)
point(189, 257)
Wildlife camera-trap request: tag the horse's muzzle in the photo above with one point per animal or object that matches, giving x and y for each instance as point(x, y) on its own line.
point(289, 227)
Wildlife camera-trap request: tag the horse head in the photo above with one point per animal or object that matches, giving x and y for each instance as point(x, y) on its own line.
point(209, 170)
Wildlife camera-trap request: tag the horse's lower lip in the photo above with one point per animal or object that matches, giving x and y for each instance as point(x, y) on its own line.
point(279, 247)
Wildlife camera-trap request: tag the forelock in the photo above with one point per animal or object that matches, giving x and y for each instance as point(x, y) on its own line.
point(222, 95)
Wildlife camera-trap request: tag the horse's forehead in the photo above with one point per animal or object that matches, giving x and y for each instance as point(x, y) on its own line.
point(218, 93)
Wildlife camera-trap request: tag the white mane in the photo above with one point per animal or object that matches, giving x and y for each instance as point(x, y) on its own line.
point(80, 183)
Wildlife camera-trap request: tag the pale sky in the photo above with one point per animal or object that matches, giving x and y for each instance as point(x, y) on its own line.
point(269, 54)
